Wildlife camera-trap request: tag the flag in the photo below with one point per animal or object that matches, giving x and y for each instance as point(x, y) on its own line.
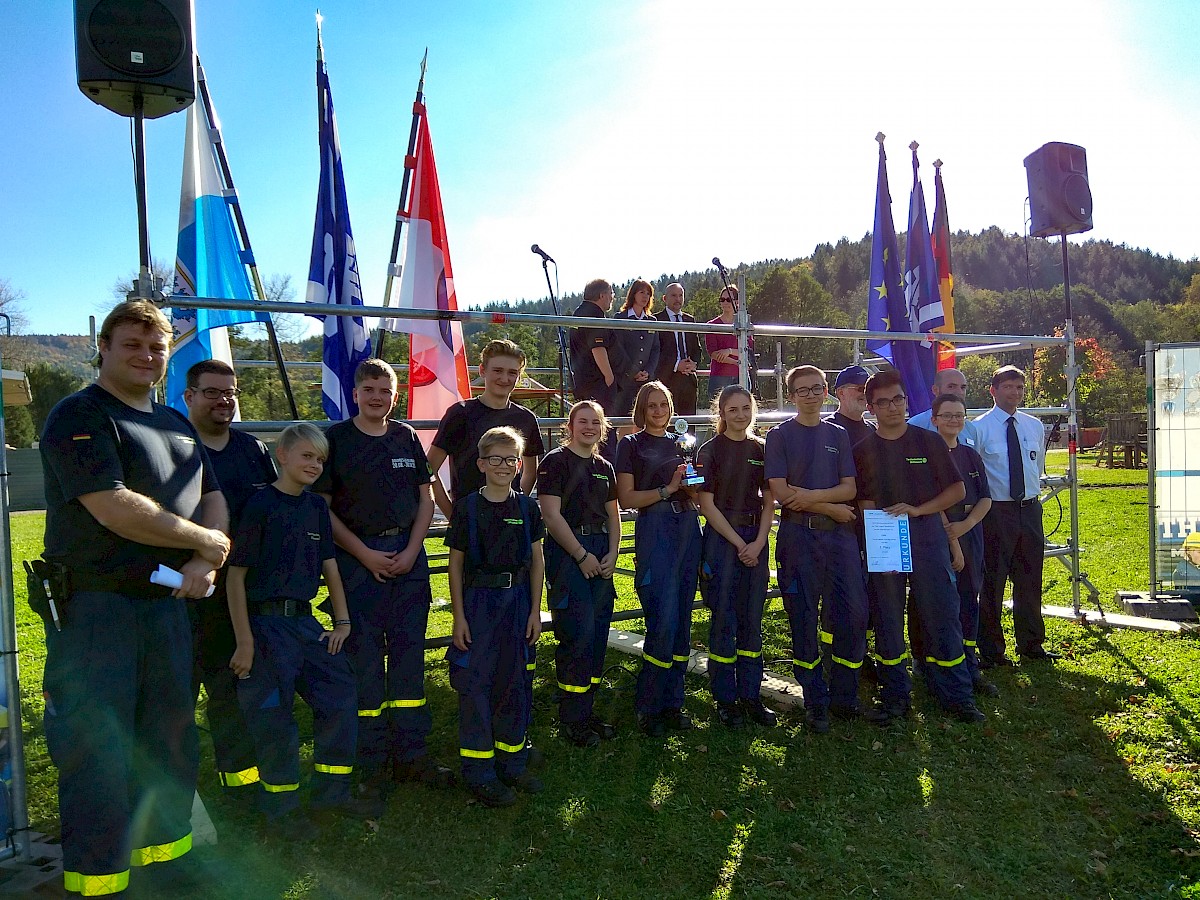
point(939, 237)
point(922, 299)
point(209, 260)
point(333, 267)
point(437, 375)
point(886, 309)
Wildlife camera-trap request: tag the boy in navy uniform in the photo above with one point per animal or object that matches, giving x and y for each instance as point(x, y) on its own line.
point(377, 484)
point(128, 487)
point(242, 465)
point(810, 469)
point(908, 471)
point(283, 545)
point(496, 570)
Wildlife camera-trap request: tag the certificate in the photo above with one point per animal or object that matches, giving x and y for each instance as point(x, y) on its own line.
point(889, 546)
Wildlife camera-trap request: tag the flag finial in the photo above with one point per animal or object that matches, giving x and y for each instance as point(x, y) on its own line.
point(320, 49)
point(880, 136)
point(913, 146)
point(937, 163)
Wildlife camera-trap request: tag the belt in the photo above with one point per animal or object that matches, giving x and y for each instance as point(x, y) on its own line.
point(811, 521)
point(675, 506)
point(388, 532)
point(83, 580)
point(742, 520)
point(585, 530)
point(290, 608)
point(502, 580)
point(1022, 503)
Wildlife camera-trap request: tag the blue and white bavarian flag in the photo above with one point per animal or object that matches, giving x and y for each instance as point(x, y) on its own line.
point(209, 261)
point(333, 268)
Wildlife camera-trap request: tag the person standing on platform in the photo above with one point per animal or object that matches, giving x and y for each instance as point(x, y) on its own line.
point(496, 570)
point(849, 387)
point(949, 412)
point(723, 369)
point(598, 359)
point(242, 465)
point(679, 353)
point(908, 471)
point(650, 470)
point(577, 491)
point(641, 348)
point(953, 382)
point(738, 513)
point(501, 366)
point(128, 487)
point(810, 469)
point(1012, 446)
point(377, 484)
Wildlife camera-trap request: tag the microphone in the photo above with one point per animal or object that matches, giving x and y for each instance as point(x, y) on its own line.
point(542, 253)
point(717, 263)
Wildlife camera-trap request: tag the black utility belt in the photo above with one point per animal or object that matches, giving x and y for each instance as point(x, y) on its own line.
point(390, 532)
point(502, 580)
point(741, 520)
point(290, 608)
point(585, 530)
point(1021, 503)
point(811, 521)
point(674, 506)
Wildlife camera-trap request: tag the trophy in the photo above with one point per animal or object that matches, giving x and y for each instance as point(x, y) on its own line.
point(687, 449)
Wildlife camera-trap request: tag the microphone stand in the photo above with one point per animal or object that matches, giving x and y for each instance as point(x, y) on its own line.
point(564, 360)
point(747, 367)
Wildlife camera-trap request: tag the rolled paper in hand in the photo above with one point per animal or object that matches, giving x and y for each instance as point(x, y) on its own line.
point(168, 577)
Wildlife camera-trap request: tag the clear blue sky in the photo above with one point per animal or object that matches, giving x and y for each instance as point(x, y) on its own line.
point(627, 138)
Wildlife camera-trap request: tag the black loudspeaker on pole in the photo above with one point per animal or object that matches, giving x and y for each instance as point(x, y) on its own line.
point(131, 53)
point(1060, 198)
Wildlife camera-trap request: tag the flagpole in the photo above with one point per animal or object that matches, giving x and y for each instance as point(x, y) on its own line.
point(244, 235)
point(401, 216)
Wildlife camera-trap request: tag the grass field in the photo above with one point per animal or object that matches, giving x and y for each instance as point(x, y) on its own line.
point(1083, 783)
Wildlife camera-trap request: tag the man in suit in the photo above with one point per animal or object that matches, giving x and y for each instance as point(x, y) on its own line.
point(679, 353)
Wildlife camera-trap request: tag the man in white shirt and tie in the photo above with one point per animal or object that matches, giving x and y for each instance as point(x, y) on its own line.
point(679, 353)
point(1012, 446)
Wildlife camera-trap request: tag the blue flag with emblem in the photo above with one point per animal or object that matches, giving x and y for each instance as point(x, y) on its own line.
point(886, 309)
point(209, 261)
point(333, 267)
point(922, 293)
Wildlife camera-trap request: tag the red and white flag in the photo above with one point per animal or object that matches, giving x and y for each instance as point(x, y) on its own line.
point(437, 375)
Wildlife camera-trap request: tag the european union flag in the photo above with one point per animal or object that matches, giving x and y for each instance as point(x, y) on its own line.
point(886, 307)
point(333, 267)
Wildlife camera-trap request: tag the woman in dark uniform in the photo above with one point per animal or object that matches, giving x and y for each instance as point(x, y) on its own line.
point(641, 347)
point(949, 414)
point(650, 470)
point(577, 490)
point(738, 511)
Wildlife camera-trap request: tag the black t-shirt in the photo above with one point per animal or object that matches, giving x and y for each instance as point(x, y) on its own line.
point(283, 539)
point(733, 473)
point(584, 485)
point(93, 442)
point(912, 469)
point(499, 530)
point(464, 423)
point(588, 377)
point(970, 468)
point(374, 481)
point(242, 467)
point(651, 460)
point(856, 428)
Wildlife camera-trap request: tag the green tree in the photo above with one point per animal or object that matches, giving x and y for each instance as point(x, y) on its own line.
point(18, 427)
point(48, 384)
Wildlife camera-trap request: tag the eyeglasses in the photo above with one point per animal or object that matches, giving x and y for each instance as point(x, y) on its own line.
point(218, 394)
point(950, 417)
point(815, 390)
point(497, 461)
point(892, 402)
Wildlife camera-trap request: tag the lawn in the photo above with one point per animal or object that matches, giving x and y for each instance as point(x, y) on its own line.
point(1082, 784)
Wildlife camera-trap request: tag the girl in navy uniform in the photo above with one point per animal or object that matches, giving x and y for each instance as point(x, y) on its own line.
point(577, 490)
point(738, 511)
point(650, 472)
point(949, 415)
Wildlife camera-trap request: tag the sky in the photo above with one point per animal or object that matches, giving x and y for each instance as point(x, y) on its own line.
point(628, 138)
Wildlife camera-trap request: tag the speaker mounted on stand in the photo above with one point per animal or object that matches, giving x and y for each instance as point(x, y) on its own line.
point(1060, 198)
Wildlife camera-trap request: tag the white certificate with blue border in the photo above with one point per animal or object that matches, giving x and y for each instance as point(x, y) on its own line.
point(889, 545)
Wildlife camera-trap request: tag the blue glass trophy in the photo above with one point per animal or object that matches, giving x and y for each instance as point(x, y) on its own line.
point(687, 449)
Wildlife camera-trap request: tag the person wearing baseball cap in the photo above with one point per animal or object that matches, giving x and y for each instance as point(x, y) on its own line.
point(850, 389)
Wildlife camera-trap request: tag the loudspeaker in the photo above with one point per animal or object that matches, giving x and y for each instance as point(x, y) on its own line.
point(1060, 200)
point(127, 48)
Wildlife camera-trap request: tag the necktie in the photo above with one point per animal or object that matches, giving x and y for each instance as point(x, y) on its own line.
point(679, 338)
point(1016, 468)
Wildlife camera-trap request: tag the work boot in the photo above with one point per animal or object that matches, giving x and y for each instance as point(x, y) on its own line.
point(579, 734)
point(729, 715)
point(758, 713)
point(493, 794)
point(603, 730)
point(423, 770)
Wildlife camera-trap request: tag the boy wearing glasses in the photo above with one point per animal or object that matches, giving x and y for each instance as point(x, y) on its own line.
point(496, 570)
point(377, 484)
point(242, 465)
point(908, 471)
point(810, 469)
